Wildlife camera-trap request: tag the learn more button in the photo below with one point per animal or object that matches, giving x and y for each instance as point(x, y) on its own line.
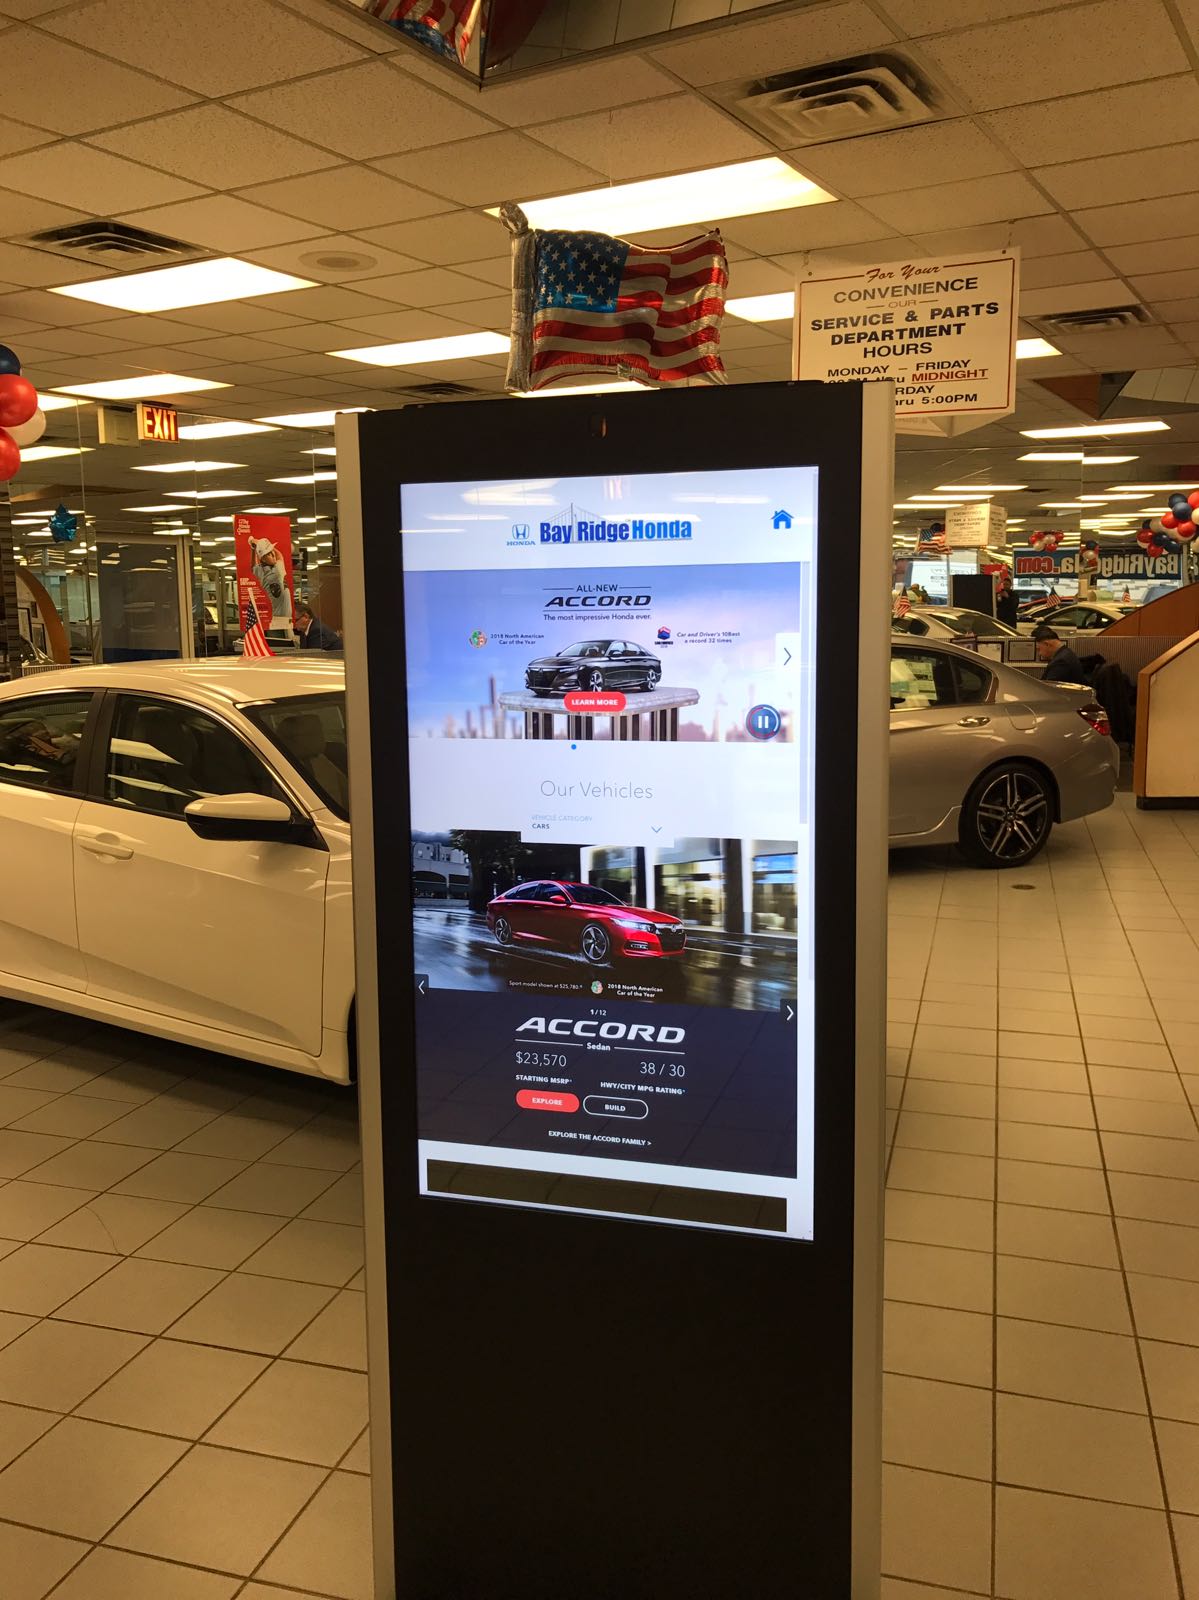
point(546, 1100)
point(603, 1105)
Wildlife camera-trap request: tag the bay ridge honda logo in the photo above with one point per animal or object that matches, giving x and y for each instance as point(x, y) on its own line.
point(521, 537)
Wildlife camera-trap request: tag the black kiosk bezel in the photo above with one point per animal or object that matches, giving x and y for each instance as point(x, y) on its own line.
point(568, 1406)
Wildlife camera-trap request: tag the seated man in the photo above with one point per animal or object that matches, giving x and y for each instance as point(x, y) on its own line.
point(1061, 664)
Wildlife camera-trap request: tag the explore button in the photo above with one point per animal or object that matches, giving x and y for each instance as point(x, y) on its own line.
point(546, 1100)
point(603, 1105)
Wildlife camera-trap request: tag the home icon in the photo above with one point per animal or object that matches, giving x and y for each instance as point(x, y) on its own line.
point(782, 519)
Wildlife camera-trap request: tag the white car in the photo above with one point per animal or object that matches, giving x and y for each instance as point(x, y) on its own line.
point(175, 843)
point(950, 623)
point(1078, 616)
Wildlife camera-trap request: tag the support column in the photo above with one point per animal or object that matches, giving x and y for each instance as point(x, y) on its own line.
point(10, 656)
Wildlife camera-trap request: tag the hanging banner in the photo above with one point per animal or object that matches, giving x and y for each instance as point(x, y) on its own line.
point(1125, 561)
point(265, 587)
point(944, 332)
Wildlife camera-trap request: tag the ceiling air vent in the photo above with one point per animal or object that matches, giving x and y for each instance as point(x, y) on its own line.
point(1102, 319)
point(439, 391)
point(113, 244)
point(840, 100)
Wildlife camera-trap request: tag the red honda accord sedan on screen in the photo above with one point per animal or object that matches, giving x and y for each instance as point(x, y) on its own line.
point(583, 920)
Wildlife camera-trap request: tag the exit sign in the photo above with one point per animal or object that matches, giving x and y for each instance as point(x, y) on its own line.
point(158, 423)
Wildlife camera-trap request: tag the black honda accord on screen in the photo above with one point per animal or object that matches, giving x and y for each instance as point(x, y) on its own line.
point(594, 664)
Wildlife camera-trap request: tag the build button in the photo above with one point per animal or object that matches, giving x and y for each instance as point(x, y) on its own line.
point(602, 1105)
point(546, 1100)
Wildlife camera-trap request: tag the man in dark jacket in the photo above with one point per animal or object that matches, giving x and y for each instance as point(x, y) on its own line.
point(1061, 664)
point(314, 635)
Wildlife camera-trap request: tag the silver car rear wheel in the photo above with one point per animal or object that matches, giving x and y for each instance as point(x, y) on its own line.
point(1008, 816)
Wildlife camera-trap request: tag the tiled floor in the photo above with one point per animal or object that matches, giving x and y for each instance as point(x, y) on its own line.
point(182, 1339)
point(182, 1390)
point(1041, 1431)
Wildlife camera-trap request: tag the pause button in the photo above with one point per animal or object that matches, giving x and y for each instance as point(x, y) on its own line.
point(763, 722)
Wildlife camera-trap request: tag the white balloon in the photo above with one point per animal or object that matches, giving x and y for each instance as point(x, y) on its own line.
point(29, 432)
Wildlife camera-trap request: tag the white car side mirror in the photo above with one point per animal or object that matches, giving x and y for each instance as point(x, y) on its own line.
point(249, 817)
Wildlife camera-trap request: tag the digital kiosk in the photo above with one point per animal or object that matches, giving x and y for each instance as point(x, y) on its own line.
point(620, 1014)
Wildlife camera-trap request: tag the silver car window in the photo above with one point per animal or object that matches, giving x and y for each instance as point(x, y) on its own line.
point(920, 679)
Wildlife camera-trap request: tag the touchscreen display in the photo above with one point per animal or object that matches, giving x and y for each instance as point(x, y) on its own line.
point(611, 712)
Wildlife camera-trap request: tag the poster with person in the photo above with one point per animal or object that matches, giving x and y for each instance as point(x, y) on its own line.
point(265, 585)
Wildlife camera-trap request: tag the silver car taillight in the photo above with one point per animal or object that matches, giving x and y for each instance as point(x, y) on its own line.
point(1096, 716)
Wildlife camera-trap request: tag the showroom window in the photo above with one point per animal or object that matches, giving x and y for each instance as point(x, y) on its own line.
point(162, 756)
point(40, 740)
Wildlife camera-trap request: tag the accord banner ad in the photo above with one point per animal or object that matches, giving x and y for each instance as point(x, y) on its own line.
point(611, 689)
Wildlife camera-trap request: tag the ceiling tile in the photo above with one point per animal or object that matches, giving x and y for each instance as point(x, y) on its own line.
point(490, 169)
point(235, 317)
point(21, 214)
point(496, 270)
point(324, 259)
point(221, 223)
point(232, 347)
point(311, 364)
point(398, 325)
point(1152, 255)
point(345, 197)
point(940, 152)
point(493, 311)
point(80, 341)
point(76, 175)
point(916, 17)
point(55, 85)
point(216, 48)
point(849, 256)
point(1141, 220)
point(1089, 296)
point(1046, 272)
point(310, 336)
point(810, 228)
point(19, 136)
point(1189, 11)
point(1001, 198)
point(445, 241)
point(1036, 236)
point(149, 329)
point(41, 306)
point(1131, 347)
point(364, 111)
point(569, 91)
point(352, 23)
point(1108, 180)
point(1084, 126)
point(650, 138)
point(425, 287)
point(211, 142)
point(759, 276)
point(1075, 48)
point(747, 48)
point(331, 304)
point(1182, 284)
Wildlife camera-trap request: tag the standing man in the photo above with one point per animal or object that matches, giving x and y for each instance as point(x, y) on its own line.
point(1061, 664)
point(314, 635)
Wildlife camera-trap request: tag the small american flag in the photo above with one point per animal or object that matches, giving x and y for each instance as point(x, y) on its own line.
point(901, 605)
point(446, 26)
point(254, 642)
point(587, 305)
point(931, 544)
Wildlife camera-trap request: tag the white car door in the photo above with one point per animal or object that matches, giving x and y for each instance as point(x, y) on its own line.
point(41, 736)
point(228, 933)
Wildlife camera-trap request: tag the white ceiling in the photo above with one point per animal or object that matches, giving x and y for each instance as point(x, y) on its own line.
point(283, 130)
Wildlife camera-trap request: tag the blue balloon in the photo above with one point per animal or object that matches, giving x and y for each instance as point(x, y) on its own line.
point(8, 360)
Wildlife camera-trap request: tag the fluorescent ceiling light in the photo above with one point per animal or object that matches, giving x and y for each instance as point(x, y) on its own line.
point(1152, 488)
point(1097, 431)
point(193, 466)
point(198, 283)
point(150, 387)
point(620, 385)
point(745, 189)
point(1106, 461)
point(312, 419)
point(416, 352)
point(213, 494)
point(970, 488)
point(1075, 455)
point(271, 511)
point(1032, 349)
point(763, 307)
point(46, 452)
point(175, 509)
point(221, 430)
point(308, 477)
point(320, 450)
point(55, 402)
point(1061, 505)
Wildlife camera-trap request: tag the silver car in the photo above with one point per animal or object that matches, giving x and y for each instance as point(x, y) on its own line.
point(950, 622)
point(988, 757)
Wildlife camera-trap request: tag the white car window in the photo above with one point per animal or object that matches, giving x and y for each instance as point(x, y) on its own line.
point(162, 755)
point(40, 736)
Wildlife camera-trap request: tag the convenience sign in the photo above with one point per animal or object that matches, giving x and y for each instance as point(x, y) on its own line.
point(944, 332)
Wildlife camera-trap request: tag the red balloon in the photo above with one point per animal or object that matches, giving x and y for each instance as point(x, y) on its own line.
point(18, 400)
point(10, 456)
point(1169, 520)
point(1193, 499)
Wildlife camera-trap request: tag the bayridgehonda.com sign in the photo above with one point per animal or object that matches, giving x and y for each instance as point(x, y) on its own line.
point(943, 331)
point(1128, 561)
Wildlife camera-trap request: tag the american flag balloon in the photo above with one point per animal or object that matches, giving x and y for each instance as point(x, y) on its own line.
point(585, 305)
point(446, 26)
